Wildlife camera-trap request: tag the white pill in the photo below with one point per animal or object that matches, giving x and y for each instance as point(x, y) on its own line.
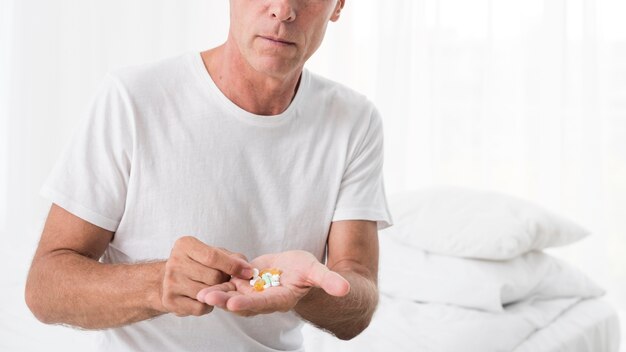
point(255, 272)
point(266, 285)
point(275, 283)
point(252, 282)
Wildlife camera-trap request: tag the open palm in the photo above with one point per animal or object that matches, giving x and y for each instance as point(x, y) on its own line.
point(300, 272)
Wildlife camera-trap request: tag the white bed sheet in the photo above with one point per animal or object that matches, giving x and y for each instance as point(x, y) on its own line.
point(567, 325)
point(590, 326)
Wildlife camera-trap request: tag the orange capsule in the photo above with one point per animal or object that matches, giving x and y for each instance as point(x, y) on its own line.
point(258, 285)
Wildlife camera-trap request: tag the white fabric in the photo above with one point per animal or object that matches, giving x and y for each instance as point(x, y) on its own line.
point(410, 273)
point(163, 153)
point(470, 223)
point(590, 326)
point(402, 325)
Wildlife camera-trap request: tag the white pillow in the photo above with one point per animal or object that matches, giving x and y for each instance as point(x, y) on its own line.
point(476, 224)
point(410, 273)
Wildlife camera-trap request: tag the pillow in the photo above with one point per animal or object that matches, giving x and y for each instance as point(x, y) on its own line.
point(476, 224)
point(410, 273)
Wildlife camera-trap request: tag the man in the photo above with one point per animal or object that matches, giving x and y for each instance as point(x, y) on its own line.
point(207, 160)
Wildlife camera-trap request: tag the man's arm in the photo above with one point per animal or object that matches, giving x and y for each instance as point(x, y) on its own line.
point(353, 253)
point(67, 285)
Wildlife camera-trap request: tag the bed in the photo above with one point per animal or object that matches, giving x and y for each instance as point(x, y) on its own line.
point(466, 270)
point(589, 325)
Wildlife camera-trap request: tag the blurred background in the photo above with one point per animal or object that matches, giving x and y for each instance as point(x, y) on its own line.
point(523, 97)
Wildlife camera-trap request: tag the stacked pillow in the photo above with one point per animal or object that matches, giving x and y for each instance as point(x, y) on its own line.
point(476, 249)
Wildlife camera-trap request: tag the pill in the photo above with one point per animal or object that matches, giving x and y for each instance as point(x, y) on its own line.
point(259, 285)
point(265, 278)
point(272, 271)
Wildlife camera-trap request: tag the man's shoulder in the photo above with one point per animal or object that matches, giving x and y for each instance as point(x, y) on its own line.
point(154, 74)
point(154, 85)
point(338, 91)
point(341, 104)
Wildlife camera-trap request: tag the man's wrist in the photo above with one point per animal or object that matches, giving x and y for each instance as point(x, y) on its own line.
point(154, 293)
point(345, 317)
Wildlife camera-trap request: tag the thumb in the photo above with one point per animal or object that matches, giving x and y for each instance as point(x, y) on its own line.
point(328, 280)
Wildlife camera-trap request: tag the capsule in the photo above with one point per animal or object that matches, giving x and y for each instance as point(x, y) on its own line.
point(259, 285)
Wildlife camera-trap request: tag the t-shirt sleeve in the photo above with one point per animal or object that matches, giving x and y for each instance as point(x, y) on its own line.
point(362, 191)
point(91, 177)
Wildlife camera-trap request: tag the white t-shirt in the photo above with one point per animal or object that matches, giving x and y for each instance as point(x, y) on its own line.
point(163, 154)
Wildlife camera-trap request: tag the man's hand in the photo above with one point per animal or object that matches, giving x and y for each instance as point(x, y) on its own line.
point(300, 272)
point(192, 266)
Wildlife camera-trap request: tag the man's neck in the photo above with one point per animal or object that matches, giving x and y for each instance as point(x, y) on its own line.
point(249, 89)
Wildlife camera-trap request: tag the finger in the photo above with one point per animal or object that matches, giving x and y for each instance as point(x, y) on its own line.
point(215, 258)
point(220, 298)
point(201, 273)
point(248, 303)
point(184, 276)
point(328, 280)
point(184, 306)
point(260, 302)
point(238, 255)
point(221, 288)
point(179, 286)
point(246, 313)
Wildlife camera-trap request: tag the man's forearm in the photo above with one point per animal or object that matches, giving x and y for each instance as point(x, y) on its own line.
point(67, 288)
point(347, 316)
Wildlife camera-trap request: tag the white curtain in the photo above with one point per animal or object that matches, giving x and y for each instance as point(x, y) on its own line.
point(524, 97)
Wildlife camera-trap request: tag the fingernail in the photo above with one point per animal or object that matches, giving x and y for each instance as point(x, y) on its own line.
point(247, 273)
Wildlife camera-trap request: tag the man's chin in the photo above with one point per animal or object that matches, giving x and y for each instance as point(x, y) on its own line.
point(278, 67)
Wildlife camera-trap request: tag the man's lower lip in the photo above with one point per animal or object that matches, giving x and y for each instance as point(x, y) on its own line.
point(277, 41)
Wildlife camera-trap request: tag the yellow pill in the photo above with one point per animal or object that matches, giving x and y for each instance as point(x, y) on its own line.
point(258, 285)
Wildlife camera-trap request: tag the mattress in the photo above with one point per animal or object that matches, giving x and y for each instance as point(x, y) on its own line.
point(591, 325)
point(568, 325)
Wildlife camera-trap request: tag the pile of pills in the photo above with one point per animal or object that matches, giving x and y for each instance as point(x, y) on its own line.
point(264, 279)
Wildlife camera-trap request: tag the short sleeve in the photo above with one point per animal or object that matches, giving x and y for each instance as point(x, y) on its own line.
point(91, 177)
point(362, 191)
